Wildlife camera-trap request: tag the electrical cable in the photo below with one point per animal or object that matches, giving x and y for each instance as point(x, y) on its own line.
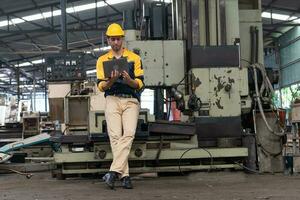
point(211, 161)
point(267, 82)
point(266, 85)
point(165, 102)
point(169, 108)
point(246, 61)
point(247, 168)
point(28, 175)
point(259, 144)
point(159, 150)
point(255, 66)
point(195, 148)
point(185, 76)
point(165, 99)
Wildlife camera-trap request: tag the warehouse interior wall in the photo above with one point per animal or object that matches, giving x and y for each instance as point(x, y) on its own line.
point(286, 58)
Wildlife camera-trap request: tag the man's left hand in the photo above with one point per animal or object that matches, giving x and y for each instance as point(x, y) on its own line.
point(126, 78)
point(129, 81)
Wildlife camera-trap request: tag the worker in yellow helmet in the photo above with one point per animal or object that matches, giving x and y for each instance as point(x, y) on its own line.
point(122, 92)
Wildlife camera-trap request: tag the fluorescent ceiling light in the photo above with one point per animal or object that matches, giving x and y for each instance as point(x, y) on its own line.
point(277, 16)
point(72, 9)
point(25, 64)
point(105, 48)
point(38, 61)
point(3, 75)
point(166, 1)
point(102, 48)
point(26, 86)
point(3, 23)
point(4, 79)
point(23, 79)
point(90, 71)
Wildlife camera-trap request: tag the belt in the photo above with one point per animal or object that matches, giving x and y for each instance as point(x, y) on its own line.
point(123, 95)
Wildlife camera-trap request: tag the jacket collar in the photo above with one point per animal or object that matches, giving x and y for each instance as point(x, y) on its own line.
point(125, 53)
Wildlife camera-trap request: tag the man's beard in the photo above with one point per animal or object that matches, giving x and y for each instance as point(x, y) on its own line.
point(116, 47)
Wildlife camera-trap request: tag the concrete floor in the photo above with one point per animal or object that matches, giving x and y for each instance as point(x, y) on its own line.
point(214, 185)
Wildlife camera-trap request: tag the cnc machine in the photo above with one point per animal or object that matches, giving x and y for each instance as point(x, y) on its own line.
point(199, 53)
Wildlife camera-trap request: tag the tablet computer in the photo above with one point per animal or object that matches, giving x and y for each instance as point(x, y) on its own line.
point(120, 65)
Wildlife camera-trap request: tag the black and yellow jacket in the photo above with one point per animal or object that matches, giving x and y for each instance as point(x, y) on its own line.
point(136, 72)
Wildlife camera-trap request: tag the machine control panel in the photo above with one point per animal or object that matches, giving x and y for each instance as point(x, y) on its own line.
point(65, 67)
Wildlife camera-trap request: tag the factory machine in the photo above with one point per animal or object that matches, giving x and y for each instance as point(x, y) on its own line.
point(205, 55)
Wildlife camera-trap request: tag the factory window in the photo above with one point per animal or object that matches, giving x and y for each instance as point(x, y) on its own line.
point(37, 102)
point(288, 95)
point(3, 102)
point(147, 100)
point(276, 99)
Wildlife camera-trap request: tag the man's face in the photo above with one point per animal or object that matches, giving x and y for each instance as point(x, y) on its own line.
point(115, 43)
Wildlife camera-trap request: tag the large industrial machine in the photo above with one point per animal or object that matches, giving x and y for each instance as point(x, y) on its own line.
point(208, 61)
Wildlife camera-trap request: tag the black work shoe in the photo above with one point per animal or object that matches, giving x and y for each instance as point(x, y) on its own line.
point(110, 178)
point(126, 182)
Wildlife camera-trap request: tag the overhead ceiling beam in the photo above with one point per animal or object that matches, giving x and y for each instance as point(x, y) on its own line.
point(13, 50)
point(51, 24)
point(35, 7)
point(114, 8)
point(57, 31)
point(51, 31)
point(273, 31)
point(281, 25)
point(38, 56)
point(7, 90)
point(287, 23)
point(77, 18)
point(30, 22)
point(281, 9)
point(269, 5)
point(7, 65)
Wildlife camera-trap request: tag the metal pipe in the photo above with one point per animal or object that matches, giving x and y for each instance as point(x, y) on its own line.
point(253, 44)
point(189, 35)
point(96, 13)
point(223, 22)
point(159, 103)
point(52, 20)
point(207, 32)
point(18, 82)
point(31, 103)
point(257, 44)
point(129, 20)
point(182, 23)
point(177, 19)
point(195, 23)
point(174, 17)
point(34, 93)
point(139, 15)
point(217, 24)
point(278, 58)
point(45, 97)
point(63, 19)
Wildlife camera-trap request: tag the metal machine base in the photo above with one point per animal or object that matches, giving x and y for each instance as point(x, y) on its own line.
point(170, 160)
point(165, 147)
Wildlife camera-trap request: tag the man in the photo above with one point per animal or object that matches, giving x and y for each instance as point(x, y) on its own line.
point(122, 92)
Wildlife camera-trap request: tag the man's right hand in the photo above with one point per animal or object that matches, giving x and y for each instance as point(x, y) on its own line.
point(114, 76)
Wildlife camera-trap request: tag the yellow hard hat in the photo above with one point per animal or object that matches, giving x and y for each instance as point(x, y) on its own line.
point(114, 30)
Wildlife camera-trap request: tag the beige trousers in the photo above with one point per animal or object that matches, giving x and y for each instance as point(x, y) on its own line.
point(121, 117)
